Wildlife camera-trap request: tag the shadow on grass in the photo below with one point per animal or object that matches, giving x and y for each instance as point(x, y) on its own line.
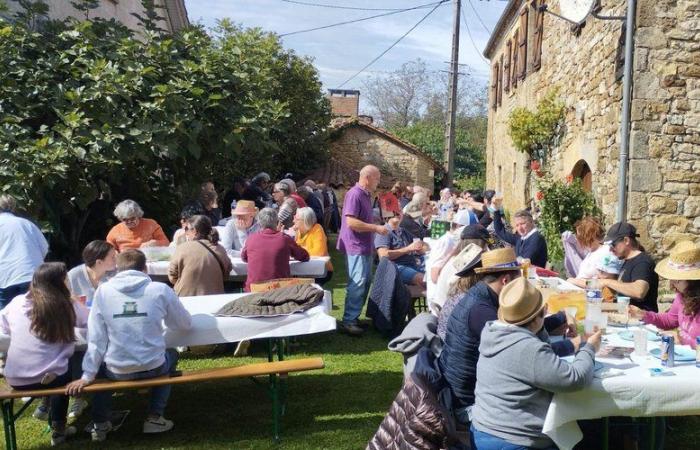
point(323, 411)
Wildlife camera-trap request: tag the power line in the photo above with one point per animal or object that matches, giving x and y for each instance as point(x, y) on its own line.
point(394, 44)
point(469, 33)
point(479, 17)
point(353, 8)
point(364, 18)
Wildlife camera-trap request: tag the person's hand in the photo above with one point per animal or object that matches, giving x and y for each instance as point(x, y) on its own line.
point(151, 243)
point(75, 388)
point(571, 330)
point(415, 246)
point(595, 339)
point(381, 229)
point(634, 312)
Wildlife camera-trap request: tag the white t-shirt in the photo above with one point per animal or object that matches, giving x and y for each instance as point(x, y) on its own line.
point(589, 266)
point(445, 280)
point(440, 253)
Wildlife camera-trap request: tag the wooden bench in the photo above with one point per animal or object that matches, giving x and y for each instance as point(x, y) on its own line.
point(272, 369)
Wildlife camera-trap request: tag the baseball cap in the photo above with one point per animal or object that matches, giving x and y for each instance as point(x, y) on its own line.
point(620, 230)
point(475, 232)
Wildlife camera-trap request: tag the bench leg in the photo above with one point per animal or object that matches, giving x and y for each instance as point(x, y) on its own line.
point(606, 432)
point(274, 393)
point(8, 419)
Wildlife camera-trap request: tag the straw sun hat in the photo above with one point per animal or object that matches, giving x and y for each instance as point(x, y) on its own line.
point(682, 264)
point(499, 260)
point(519, 302)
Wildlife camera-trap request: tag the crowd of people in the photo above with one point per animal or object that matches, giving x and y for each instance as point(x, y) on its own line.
point(497, 360)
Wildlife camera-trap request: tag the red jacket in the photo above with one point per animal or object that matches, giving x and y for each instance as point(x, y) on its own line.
point(267, 254)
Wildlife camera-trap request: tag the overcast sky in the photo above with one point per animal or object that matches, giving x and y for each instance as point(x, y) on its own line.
point(339, 52)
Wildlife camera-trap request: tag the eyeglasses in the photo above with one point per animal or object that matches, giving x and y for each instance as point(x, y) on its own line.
point(130, 219)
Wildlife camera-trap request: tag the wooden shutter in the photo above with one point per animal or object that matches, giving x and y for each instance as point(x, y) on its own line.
point(500, 81)
point(514, 63)
point(494, 87)
point(539, 34)
point(522, 45)
point(506, 67)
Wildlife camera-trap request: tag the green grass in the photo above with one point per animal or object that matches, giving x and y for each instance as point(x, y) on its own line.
point(338, 407)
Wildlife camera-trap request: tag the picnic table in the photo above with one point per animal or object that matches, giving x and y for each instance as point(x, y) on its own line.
point(634, 393)
point(315, 267)
point(209, 329)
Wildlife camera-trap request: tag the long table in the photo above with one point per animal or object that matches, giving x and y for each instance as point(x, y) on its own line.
point(209, 329)
point(632, 394)
point(313, 268)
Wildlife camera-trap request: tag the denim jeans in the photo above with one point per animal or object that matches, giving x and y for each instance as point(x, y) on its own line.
point(102, 401)
point(58, 404)
point(359, 279)
point(10, 292)
point(484, 441)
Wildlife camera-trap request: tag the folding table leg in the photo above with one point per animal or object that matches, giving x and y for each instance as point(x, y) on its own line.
point(652, 433)
point(281, 343)
point(8, 419)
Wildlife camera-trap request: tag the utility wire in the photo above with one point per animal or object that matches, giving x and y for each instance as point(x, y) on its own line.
point(442, 2)
point(479, 17)
point(469, 33)
point(353, 8)
point(365, 18)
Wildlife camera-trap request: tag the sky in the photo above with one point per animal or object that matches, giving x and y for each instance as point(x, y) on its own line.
point(340, 52)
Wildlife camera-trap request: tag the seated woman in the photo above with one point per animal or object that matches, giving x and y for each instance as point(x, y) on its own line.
point(311, 237)
point(199, 266)
point(587, 242)
point(42, 325)
point(682, 268)
point(286, 205)
point(190, 210)
point(134, 231)
point(99, 264)
point(210, 202)
point(518, 373)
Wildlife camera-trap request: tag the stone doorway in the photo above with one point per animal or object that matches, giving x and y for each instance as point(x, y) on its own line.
point(583, 172)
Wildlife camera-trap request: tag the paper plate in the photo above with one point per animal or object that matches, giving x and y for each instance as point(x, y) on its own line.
point(682, 354)
point(629, 336)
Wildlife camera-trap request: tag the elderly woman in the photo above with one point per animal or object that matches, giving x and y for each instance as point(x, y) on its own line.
point(256, 191)
point(237, 230)
point(286, 205)
point(311, 237)
point(134, 231)
point(199, 266)
point(268, 251)
point(301, 202)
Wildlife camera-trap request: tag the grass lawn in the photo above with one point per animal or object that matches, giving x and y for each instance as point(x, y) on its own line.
point(338, 407)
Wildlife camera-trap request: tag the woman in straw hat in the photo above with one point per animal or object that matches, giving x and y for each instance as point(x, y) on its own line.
point(682, 268)
point(518, 373)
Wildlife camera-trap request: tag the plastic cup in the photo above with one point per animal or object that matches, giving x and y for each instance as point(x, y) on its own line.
point(622, 304)
point(640, 341)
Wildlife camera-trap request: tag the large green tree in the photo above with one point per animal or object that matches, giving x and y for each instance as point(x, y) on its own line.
point(90, 114)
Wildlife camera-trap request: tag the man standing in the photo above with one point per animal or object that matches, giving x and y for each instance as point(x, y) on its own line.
point(355, 240)
point(22, 249)
point(527, 240)
point(637, 278)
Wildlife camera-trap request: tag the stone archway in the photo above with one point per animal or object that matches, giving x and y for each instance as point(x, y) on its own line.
point(583, 172)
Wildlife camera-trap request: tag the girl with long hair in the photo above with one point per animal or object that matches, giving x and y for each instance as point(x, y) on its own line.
point(41, 324)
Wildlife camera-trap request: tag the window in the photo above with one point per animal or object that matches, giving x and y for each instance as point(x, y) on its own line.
point(494, 87)
point(522, 45)
point(500, 81)
point(514, 63)
point(537, 33)
point(506, 67)
point(515, 168)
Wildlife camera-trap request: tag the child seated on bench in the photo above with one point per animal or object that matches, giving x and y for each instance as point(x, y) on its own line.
point(42, 325)
point(125, 340)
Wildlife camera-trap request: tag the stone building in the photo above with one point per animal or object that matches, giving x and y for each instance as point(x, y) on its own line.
point(355, 141)
point(532, 52)
point(173, 12)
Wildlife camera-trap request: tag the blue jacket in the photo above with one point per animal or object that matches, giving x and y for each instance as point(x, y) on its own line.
point(534, 248)
point(461, 350)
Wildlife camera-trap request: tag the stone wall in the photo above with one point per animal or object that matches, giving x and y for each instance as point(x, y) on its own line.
point(357, 146)
point(664, 183)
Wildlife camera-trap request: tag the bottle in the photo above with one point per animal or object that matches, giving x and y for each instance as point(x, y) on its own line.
point(697, 351)
point(667, 351)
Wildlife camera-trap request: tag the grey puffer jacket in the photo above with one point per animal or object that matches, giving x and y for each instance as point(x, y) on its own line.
point(277, 302)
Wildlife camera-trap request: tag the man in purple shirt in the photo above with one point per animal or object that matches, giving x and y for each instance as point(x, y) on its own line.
point(355, 240)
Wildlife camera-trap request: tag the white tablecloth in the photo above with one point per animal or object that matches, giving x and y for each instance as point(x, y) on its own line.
point(633, 394)
point(208, 329)
point(313, 268)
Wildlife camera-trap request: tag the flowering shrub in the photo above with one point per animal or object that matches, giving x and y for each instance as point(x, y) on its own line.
point(562, 204)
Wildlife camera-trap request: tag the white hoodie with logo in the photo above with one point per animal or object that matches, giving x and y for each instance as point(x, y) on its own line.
point(125, 326)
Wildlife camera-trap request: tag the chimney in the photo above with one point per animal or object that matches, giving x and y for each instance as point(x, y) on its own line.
point(344, 102)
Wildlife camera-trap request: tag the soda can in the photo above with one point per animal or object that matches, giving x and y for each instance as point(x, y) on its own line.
point(667, 351)
point(697, 351)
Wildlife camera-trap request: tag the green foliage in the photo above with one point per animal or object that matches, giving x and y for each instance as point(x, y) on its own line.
point(534, 132)
point(90, 115)
point(470, 142)
point(562, 204)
